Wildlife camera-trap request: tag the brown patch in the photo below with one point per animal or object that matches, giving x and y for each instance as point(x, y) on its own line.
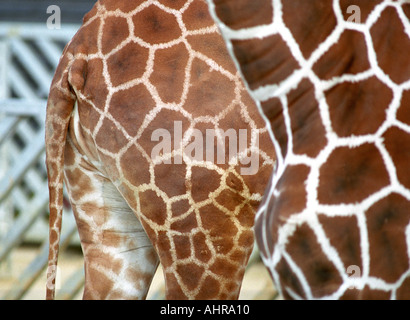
point(155, 26)
point(197, 16)
point(135, 167)
point(320, 273)
point(78, 74)
point(217, 222)
point(239, 14)
point(124, 6)
point(115, 31)
point(292, 194)
point(344, 235)
point(174, 4)
point(273, 110)
point(234, 182)
point(348, 55)
point(264, 61)
point(309, 135)
point(168, 75)
point(209, 289)
point(163, 247)
point(403, 293)
point(130, 106)
point(125, 65)
point(182, 246)
point(358, 108)
point(392, 45)
point(313, 26)
point(200, 190)
point(153, 207)
point(171, 178)
point(100, 284)
point(210, 92)
point(201, 249)
point(386, 222)
point(86, 40)
point(256, 182)
point(403, 114)
point(246, 216)
point(229, 199)
point(81, 180)
point(109, 137)
point(95, 88)
point(213, 46)
point(173, 289)
point(397, 143)
point(53, 233)
point(190, 274)
point(180, 207)
point(224, 268)
point(351, 174)
point(366, 294)
point(69, 155)
point(114, 239)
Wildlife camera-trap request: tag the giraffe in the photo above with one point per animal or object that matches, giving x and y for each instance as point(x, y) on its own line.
point(139, 92)
point(332, 80)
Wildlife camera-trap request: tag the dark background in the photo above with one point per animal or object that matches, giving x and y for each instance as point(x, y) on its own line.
point(72, 11)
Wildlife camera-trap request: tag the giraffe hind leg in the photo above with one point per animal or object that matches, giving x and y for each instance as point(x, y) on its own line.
point(204, 255)
point(119, 259)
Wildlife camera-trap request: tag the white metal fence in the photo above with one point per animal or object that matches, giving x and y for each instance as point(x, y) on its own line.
point(29, 54)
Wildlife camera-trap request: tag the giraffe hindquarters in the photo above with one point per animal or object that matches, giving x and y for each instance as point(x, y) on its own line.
point(119, 259)
point(207, 274)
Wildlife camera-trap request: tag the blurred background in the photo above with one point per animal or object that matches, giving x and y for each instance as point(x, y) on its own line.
point(33, 34)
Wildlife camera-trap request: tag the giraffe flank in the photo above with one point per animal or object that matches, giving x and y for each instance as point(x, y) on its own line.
point(152, 81)
point(332, 79)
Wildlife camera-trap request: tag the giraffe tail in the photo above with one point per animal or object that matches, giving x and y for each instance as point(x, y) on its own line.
point(60, 105)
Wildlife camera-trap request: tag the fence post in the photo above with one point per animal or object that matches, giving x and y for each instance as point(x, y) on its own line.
point(6, 218)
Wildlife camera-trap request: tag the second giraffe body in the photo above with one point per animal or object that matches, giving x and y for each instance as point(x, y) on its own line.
point(144, 73)
point(332, 78)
